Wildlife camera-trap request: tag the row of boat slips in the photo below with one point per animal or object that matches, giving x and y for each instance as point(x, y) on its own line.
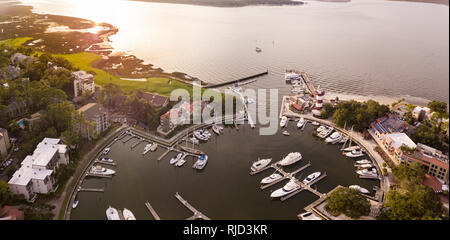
point(114, 214)
point(364, 168)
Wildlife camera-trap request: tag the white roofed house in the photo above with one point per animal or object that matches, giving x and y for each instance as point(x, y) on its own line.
point(36, 174)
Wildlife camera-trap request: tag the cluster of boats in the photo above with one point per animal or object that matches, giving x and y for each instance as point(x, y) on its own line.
point(202, 134)
point(178, 160)
point(291, 158)
point(113, 214)
point(293, 186)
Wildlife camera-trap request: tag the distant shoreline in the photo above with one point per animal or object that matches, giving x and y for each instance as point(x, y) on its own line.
point(441, 2)
point(229, 3)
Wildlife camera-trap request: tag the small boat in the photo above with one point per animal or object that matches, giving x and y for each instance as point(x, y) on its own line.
point(201, 162)
point(260, 164)
point(321, 128)
point(217, 129)
point(147, 148)
point(291, 158)
point(202, 134)
point(258, 50)
point(311, 177)
point(106, 151)
point(180, 162)
point(128, 215)
point(334, 138)
point(352, 148)
point(315, 123)
point(364, 166)
point(308, 216)
point(101, 170)
point(354, 154)
point(271, 178)
point(367, 172)
point(359, 189)
point(325, 132)
point(301, 122)
point(193, 140)
point(364, 161)
point(112, 213)
point(154, 147)
point(344, 139)
point(176, 158)
point(290, 187)
point(283, 121)
point(286, 133)
point(107, 160)
point(292, 75)
point(75, 204)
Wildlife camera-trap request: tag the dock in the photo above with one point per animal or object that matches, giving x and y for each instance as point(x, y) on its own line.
point(121, 215)
point(164, 154)
point(107, 163)
point(369, 177)
point(192, 150)
point(308, 83)
point(98, 175)
point(90, 189)
point(197, 214)
point(237, 80)
point(131, 137)
point(152, 211)
point(285, 175)
point(138, 142)
point(306, 187)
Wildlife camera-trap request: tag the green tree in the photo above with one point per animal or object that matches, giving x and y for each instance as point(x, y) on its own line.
point(408, 176)
point(60, 116)
point(437, 106)
point(349, 202)
point(5, 194)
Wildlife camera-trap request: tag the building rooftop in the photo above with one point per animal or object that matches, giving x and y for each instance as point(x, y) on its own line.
point(91, 110)
point(401, 139)
point(391, 124)
point(26, 172)
point(82, 75)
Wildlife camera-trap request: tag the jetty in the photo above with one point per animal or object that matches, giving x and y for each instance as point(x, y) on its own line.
point(152, 211)
point(306, 187)
point(308, 83)
point(237, 80)
point(107, 163)
point(197, 214)
point(137, 143)
point(90, 189)
point(98, 175)
point(164, 154)
point(191, 150)
point(285, 175)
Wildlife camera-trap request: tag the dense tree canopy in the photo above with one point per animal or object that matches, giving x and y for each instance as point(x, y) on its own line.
point(349, 202)
point(357, 114)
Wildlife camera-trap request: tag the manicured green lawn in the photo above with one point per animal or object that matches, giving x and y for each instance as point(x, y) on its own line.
point(16, 42)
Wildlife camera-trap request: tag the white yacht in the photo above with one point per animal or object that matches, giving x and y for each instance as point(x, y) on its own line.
point(154, 147)
point(180, 162)
point(112, 213)
point(364, 166)
point(286, 133)
point(359, 188)
point(271, 178)
point(106, 151)
point(354, 154)
point(292, 75)
point(301, 122)
point(315, 123)
point(311, 177)
point(326, 132)
point(128, 215)
point(291, 158)
point(290, 187)
point(260, 164)
point(283, 121)
point(344, 139)
point(217, 129)
point(101, 170)
point(176, 158)
point(107, 160)
point(75, 204)
point(193, 140)
point(200, 135)
point(364, 161)
point(352, 148)
point(367, 172)
point(334, 138)
point(321, 128)
point(308, 216)
point(201, 162)
point(147, 148)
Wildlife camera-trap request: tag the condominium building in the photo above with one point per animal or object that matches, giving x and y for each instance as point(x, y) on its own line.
point(433, 160)
point(93, 112)
point(4, 142)
point(83, 83)
point(37, 171)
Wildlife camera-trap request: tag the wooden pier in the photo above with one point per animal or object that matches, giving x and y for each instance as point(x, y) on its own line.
point(164, 154)
point(308, 83)
point(107, 163)
point(138, 142)
point(238, 80)
point(197, 214)
point(369, 177)
point(306, 187)
point(98, 175)
point(192, 150)
point(131, 137)
point(285, 175)
point(90, 189)
point(152, 211)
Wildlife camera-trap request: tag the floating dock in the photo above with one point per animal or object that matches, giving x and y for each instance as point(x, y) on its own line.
point(91, 189)
point(152, 211)
point(197, 214)
point(107, 163)
point(98, 175)
point(285, 175)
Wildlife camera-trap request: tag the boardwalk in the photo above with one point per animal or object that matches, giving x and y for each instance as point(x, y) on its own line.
point(152, 211)
point(197, 214)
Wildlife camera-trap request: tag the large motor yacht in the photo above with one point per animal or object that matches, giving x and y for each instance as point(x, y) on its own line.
point(291, 158)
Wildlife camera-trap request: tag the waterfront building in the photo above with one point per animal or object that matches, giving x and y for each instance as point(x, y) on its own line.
point(433, 160)
point(95, 114)
point(421, 113)
point(182, 113)
point(390, 124)
point(36, 174)
point(82, 83)
point(5, 143)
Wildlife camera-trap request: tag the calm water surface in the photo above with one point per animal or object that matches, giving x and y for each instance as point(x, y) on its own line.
point(224, 189)
point(365, 47)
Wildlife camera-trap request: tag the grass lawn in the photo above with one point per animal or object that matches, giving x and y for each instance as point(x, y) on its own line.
point(84, 61)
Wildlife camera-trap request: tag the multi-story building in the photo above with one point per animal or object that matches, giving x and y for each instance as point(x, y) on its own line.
point(4, 142)
point(83, 83)
point(93, 112)
point(175, 116)
point(36, 174)
point(433, 160)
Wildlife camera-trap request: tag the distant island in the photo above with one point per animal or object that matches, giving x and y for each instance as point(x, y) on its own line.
point(229, 3)
point(443, 2)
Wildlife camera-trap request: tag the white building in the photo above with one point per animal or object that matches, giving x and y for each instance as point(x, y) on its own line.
point(36, 174)
point(82, 83)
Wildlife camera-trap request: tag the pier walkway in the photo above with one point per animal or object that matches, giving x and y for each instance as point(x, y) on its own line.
point(90, 189)
point(152, 211)
point(306, 187)
point(237, 80)
point(197, 214)
point(285, 175)
point(308, 83)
